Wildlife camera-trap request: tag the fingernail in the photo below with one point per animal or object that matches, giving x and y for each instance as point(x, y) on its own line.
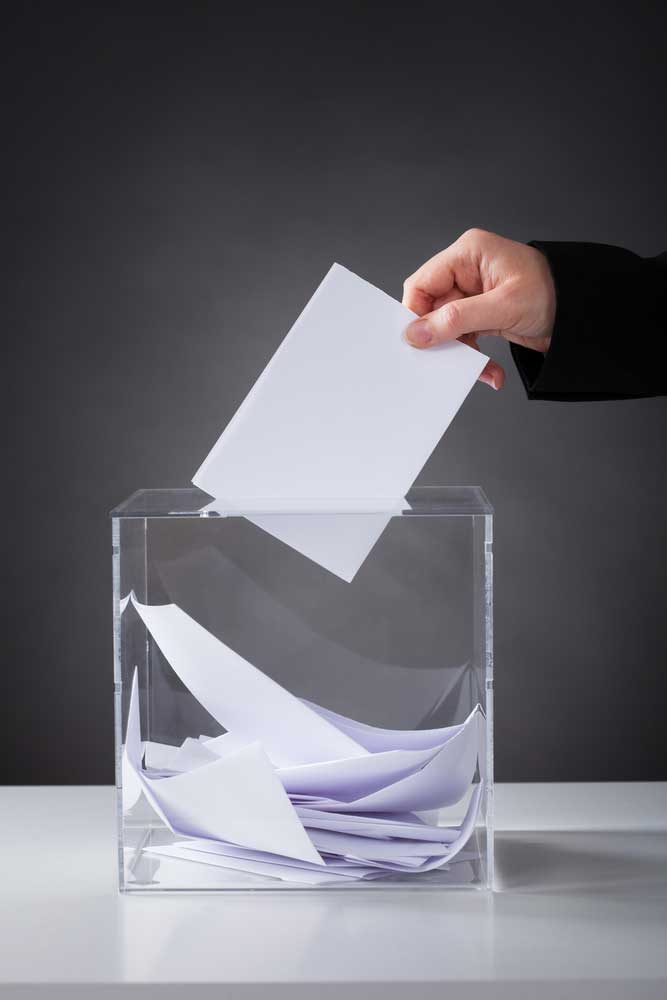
point(419, 334)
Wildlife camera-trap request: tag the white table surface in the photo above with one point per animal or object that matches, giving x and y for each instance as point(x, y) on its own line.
point(581, 912)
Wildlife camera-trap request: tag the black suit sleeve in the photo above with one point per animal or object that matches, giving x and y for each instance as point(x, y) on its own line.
point(610, 335)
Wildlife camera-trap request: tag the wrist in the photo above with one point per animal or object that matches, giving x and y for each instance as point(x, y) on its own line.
point(545, 301)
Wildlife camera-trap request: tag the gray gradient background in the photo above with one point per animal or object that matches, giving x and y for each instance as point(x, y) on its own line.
point(183, 182)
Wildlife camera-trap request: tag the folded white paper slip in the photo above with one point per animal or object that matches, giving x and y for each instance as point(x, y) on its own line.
point(345, 408)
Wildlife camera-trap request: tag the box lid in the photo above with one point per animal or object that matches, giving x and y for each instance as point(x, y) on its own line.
point(421, 501)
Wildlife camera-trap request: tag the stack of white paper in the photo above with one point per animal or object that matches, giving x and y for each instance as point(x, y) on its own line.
point(293, 791)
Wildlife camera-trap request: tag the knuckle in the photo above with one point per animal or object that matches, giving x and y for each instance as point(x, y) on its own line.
point(477, 237)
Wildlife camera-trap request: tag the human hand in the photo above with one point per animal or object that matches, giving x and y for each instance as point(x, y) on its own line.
point(482, 284)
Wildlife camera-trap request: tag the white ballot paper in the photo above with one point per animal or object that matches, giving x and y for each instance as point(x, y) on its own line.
point(345, 409)
point(293, 791)
point(236, 798)
point(239, 696)
point(344, 675)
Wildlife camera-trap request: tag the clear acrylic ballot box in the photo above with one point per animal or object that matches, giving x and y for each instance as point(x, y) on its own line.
point(285, 723)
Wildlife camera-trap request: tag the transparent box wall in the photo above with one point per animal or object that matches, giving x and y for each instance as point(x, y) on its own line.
point(399, 660)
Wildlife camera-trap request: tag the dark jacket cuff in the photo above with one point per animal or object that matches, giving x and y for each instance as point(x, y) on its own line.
point(608, 301)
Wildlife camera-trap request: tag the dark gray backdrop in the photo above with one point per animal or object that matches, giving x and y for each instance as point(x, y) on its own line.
point(183, 182)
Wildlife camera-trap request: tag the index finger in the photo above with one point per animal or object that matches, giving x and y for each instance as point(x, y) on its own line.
point(433, 280)
point(456, 267)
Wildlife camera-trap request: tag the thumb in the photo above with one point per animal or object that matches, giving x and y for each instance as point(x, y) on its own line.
point(453, 320)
